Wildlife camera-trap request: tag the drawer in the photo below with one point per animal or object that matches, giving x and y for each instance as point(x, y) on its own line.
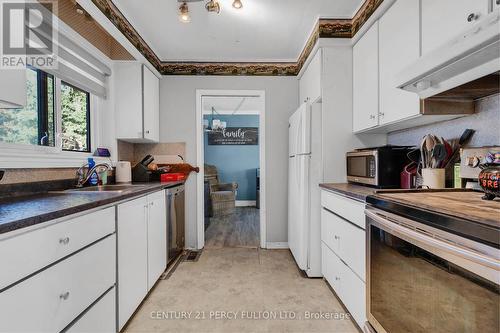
point(348, 286)
point(53, 298)
point(26, 253)
point(331, 267)
point(329, 231)
point(349, 209)
point(353, 295)
point(100, 318)
point(347, 240)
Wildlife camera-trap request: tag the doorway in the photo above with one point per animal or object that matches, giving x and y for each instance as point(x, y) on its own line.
point(231, 184)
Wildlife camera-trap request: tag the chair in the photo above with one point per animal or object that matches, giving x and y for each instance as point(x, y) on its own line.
point(222, 195)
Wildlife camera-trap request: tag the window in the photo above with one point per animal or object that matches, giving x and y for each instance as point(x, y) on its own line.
point(75, 118)
point(38, 122)
point(35, 123)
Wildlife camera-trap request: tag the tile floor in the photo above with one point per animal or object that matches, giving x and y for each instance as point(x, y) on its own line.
point(240, 282)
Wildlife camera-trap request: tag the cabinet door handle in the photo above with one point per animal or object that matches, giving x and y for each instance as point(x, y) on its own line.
point(147, 132)
point(151, 204)
point(64, 296)
point(472, 17)
point(64, 240)
point(337, 278)
point(372, 116)
point(381, 114)
point(336, 237)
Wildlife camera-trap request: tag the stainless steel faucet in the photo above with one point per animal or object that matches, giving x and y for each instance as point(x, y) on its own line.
point(83, 177)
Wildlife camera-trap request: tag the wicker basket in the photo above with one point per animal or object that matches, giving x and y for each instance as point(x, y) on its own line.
point(223, 203)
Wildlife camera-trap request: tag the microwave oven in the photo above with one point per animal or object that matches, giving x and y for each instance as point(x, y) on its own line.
point(379, 167)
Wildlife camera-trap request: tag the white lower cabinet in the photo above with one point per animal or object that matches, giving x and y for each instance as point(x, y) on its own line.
point(142, 250)
point(50, 300)
point(346, 239)
point(100, 318)
point(34, 250)
point(347, 285)
point(343, 246)
point(157, 237)
point(63, 275)
point(132, 257)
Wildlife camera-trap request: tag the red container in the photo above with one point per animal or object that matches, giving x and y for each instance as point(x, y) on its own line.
point(172, 177)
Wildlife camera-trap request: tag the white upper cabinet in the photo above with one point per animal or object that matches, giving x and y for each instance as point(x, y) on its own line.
point(444, 19)
point(12, 88)
point(137, 103)
point(310, 82)
point(365, 80)
point(399, 47)
point(151, 95)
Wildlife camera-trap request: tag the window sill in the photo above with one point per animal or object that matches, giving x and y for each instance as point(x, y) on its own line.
point(25, 156)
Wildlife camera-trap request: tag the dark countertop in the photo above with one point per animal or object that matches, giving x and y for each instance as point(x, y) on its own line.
point(25, 211)
point(356, 192)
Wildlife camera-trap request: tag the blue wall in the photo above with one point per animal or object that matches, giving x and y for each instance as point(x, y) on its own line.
point(236, 163)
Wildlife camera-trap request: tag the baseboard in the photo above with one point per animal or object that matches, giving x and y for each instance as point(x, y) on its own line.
point(276, 245)
point(245, 203)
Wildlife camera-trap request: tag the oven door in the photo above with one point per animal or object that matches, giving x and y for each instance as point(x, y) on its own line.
point(362, 167)
point(420, 279)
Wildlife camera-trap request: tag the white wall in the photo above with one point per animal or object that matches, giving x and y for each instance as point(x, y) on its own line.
point(178, 124)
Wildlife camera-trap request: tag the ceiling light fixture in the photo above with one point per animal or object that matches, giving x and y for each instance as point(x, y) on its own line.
point(213, 6)
point(184, 13)
point(237, 4)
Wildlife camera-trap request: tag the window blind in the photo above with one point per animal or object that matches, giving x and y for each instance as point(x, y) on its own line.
point(76, 65)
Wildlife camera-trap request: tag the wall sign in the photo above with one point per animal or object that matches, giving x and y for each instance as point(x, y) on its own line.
point(245, 136)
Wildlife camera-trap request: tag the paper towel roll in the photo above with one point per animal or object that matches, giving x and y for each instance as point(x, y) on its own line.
point(123, 172)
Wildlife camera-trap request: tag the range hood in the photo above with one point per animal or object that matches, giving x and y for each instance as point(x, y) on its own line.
point(466, 67)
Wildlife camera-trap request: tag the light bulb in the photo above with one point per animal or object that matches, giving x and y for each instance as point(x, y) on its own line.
point(237, 4)
point(184, 13)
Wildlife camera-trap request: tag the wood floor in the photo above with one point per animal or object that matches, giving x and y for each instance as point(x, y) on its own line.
point(240, 229)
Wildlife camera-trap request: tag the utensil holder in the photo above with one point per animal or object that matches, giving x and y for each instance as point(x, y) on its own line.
point(434, 178)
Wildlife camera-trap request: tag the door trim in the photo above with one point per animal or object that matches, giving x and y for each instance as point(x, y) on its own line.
point(200, 158)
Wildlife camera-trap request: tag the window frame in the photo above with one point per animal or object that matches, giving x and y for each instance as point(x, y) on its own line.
point(89, 117)
point(22, 155)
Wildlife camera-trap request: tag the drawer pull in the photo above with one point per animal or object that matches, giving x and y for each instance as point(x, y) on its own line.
point(337, 278)
point(64, 240)
point(336, 237)
point(64, 296)
point(471, 17)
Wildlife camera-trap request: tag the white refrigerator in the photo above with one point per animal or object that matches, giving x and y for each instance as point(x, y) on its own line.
point(304, 176)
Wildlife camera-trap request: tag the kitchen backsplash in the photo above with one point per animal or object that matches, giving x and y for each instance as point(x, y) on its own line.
point(134, 152)
point(486, 123)
point(126, 152)
point(19, 176)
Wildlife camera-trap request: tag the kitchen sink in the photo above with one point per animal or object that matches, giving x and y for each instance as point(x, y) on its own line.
point(106, 188)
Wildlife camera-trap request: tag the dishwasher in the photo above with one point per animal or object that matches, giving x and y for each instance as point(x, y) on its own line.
point(175, 222)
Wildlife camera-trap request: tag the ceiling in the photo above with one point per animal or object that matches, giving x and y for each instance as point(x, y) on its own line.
point(231, 104)
point(263, 31)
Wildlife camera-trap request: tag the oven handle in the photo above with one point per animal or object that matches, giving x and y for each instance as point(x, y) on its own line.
point(442, 245)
